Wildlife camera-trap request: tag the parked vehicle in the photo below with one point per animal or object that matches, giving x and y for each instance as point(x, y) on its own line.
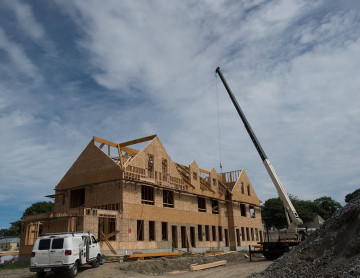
point(64, 252)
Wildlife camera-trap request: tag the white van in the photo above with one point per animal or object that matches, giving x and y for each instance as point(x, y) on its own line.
point(64, 252)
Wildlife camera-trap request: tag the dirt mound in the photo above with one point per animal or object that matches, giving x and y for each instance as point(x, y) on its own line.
point(332, 251)
point(158, 266)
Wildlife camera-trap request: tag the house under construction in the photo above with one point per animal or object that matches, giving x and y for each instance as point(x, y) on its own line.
point(143, 201)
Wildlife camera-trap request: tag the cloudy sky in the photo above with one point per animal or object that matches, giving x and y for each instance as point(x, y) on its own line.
point(120, 70)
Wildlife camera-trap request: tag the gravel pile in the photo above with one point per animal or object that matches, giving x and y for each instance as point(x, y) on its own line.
point(331, 251)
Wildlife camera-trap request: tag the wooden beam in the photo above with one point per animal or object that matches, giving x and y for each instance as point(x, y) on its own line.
point(101, 146)
point(106, 142)
point(121, 158)
point(130, 151)
point(108, 243)
point(109, 235)
point(205, 266)
point(204, 171)
point(137, 141)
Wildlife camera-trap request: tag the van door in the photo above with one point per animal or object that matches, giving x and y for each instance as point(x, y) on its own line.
point(57, 251)
point(83, 250)
point(93, 248)
point(43, 252)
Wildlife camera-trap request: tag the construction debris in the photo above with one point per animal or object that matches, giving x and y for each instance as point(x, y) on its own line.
point(331, 251)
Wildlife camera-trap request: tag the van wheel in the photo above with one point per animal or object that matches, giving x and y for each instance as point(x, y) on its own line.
point(74, 270)
point(40, 274)
point(97, 262)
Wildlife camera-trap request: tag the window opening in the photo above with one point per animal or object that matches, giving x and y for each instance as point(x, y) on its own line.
point(151, 163)
point(174, 236)
point(164, 167)
point(194, 176)
point(247, 234)
point(252, 211)
point(140, 230)
point(256, 234)
point(242, 188)
point(214, 233)
point(147, 195)
point(238, 237)
point(214, 182)
point(77, 198)
point(215, 206)
point(200, 235)
point(242, 233)
point(248, 189)
point(151, 230)
point(220, 233)
point(201, 204)
point(243, 209)
point(164, 231)
point(168, 198)
point(207, 233)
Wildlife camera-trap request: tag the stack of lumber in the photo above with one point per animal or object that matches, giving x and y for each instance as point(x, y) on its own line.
point(195, 267)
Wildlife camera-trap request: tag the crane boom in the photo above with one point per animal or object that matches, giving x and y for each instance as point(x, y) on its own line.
point(290, 210)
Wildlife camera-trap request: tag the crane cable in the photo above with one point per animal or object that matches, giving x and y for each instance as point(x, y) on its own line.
point(218, 117)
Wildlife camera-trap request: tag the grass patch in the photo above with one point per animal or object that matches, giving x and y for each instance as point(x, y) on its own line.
point(18, 265)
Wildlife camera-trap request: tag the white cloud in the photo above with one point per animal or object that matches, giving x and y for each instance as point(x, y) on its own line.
point(284, 67)
point(18, 57)
point(29, 25)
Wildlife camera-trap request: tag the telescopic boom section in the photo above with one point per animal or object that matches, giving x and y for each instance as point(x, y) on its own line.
point(296, 221)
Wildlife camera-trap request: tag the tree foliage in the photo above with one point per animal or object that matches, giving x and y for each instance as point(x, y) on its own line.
point(39, 207)
point(273, 213)
point(352, 195)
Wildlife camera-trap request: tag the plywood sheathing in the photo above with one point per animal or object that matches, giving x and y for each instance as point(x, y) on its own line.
point(92, 166)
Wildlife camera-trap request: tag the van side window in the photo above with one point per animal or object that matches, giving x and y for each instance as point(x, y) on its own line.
point(57, 243)
point(93, 239)
point(44, 244)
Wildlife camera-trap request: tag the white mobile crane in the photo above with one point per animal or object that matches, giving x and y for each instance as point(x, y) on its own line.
point(293, 234)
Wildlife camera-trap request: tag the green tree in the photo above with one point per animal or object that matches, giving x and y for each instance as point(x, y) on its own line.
point(39, 207)
point(352, 195)
point(328, 205)
point(273, 213)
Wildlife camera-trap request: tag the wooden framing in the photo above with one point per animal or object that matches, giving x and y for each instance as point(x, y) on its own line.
point(114, 203)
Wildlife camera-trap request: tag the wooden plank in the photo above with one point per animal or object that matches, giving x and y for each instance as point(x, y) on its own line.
point(130, 151)
point(204, 171)
point(109, 235)
point(205, 266)
point(113, 255)
point(108, 243)
point(121, 158)
point(162, 254)
point(137, 141)
point(106, 142)
point(9, 253)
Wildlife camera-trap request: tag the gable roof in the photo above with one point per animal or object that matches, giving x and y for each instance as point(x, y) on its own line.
point(97, 164)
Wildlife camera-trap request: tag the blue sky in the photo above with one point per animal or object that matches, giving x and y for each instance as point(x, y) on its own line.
point(120, 70)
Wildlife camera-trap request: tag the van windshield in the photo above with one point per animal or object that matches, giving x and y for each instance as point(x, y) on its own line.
point(44, 244)
point(57, 243)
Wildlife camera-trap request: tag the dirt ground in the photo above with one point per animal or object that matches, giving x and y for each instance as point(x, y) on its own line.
point(237, 267)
